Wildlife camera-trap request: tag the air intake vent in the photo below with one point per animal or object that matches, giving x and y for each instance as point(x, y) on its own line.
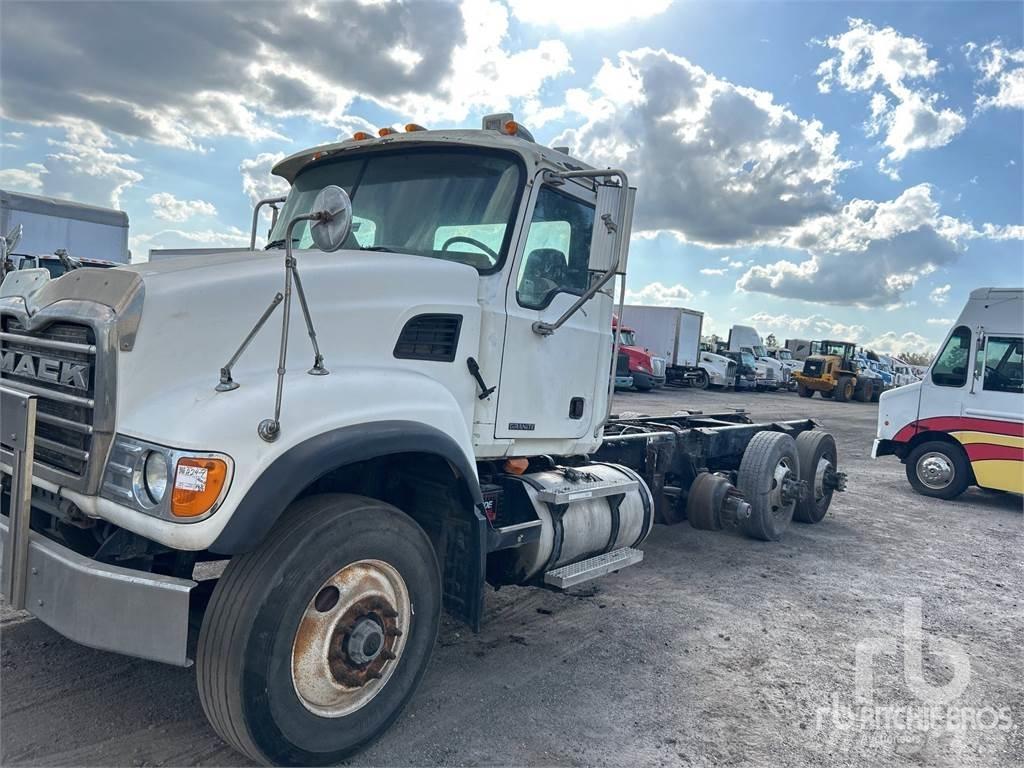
point(429, 337)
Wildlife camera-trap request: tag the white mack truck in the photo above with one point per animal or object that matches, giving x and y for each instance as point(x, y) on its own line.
point(162, 418)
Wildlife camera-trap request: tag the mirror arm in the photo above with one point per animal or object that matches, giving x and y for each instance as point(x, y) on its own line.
point(256, 217)
point(546, 329)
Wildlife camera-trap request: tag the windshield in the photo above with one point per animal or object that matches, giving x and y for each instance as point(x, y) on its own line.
point(453, 204)
point(785, 354)
point(626, 338)
point(760, 351)
point(748, 359)
point(833, 348)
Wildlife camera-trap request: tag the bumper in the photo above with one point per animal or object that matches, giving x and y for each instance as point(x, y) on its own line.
point(647, 380)
point(623, 382)
point(103, 606)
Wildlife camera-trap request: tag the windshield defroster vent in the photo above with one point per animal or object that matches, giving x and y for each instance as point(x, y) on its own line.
point(429, 337)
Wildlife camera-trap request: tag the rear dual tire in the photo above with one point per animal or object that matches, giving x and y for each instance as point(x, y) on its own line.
point(770, 458)
point(276, 611)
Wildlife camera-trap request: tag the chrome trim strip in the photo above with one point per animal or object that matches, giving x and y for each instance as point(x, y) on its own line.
point(68, 450)
point(57, 421)
point(39, 341)
point(52, 394)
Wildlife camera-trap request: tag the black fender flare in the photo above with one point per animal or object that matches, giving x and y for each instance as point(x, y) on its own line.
point(308, 461)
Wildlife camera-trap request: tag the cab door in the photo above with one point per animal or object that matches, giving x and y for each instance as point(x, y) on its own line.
point(555, 386)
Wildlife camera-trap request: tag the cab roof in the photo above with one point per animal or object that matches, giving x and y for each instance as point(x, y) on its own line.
point(536, 154)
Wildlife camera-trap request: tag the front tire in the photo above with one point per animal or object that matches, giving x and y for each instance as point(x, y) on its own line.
point(939, 470)
point(701, 381)
point(314, 642)
point(804, 391)
point(844, 389)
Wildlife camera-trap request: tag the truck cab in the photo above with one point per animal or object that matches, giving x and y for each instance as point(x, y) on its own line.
point(647, 370)
point(963, 423)
point(771, 373)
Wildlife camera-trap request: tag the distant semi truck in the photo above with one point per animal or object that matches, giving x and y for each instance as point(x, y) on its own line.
point(49, 224)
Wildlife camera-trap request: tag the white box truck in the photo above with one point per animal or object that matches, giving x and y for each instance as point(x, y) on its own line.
point(49, 224)
point(674, 333)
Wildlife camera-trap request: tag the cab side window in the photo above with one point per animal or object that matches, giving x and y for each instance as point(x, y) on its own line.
point(1004, 364)
point(950, 368)
point(557, 249)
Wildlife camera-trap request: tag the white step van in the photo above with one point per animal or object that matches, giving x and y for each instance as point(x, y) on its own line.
point(963, 424)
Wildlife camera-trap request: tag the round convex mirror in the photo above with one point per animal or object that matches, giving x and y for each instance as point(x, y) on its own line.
point(330, 232)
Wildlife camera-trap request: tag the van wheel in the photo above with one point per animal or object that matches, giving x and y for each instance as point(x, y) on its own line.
point(769, 480)
point(804, 391)
point(314, 642)
point(938, 469)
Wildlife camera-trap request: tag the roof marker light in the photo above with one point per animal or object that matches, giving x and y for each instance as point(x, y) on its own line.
point(386, 131)
point(413, 127)
point(362, 136)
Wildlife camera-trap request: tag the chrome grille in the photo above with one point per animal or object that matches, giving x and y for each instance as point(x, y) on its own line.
point(66, 411)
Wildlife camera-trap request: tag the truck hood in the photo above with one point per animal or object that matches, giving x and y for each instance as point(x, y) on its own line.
point(184, 318)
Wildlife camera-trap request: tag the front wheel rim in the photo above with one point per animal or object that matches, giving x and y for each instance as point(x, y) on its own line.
point(350, 638)
point(935, 470)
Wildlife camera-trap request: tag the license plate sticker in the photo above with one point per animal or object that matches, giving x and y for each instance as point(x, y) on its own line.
point(191, 478)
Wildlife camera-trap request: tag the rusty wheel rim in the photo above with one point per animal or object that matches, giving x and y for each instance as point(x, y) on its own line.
point(350, 638)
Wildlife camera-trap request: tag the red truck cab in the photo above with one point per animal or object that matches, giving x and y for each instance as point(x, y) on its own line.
point(648, 372)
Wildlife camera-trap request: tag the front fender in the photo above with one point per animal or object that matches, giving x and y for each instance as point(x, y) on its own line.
point(307, 462)
point(195, 417)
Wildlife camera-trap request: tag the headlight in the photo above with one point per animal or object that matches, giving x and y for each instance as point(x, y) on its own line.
point(182, 486)
point(155, 476)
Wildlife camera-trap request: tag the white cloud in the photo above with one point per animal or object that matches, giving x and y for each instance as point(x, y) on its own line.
point(169, 208)
point(715, 163)
point(659, 294)
point(940, 294)
point(85, 168)
point(257, 180)
point(813, 326)
point(483, 74)
point(709, 271)
point(28, 179)
point(943, 321)
point(1001, 81)
point(885, 63)
point(867, 253)
point(894, 343)
point(579, 15)
point(210, 70)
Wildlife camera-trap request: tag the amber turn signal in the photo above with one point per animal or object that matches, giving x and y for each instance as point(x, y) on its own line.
point(198, 483)
point(362, 135)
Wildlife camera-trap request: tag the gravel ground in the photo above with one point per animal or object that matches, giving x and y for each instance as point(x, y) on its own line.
point(715, 650)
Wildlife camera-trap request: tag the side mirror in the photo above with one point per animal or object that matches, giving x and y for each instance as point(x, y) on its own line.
point(333, 223)
point(13, 237)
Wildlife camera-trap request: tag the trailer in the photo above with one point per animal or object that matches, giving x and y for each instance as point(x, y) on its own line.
point(50, 224)
point(674, 334)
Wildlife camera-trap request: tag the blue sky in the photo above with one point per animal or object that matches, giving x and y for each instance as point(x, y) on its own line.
point(814, 168)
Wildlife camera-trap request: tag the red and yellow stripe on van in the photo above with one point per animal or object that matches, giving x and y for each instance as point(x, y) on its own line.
point(995, 448)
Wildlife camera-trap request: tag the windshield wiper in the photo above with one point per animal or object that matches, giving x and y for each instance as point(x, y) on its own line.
point(279, 243)
point(389, 249)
